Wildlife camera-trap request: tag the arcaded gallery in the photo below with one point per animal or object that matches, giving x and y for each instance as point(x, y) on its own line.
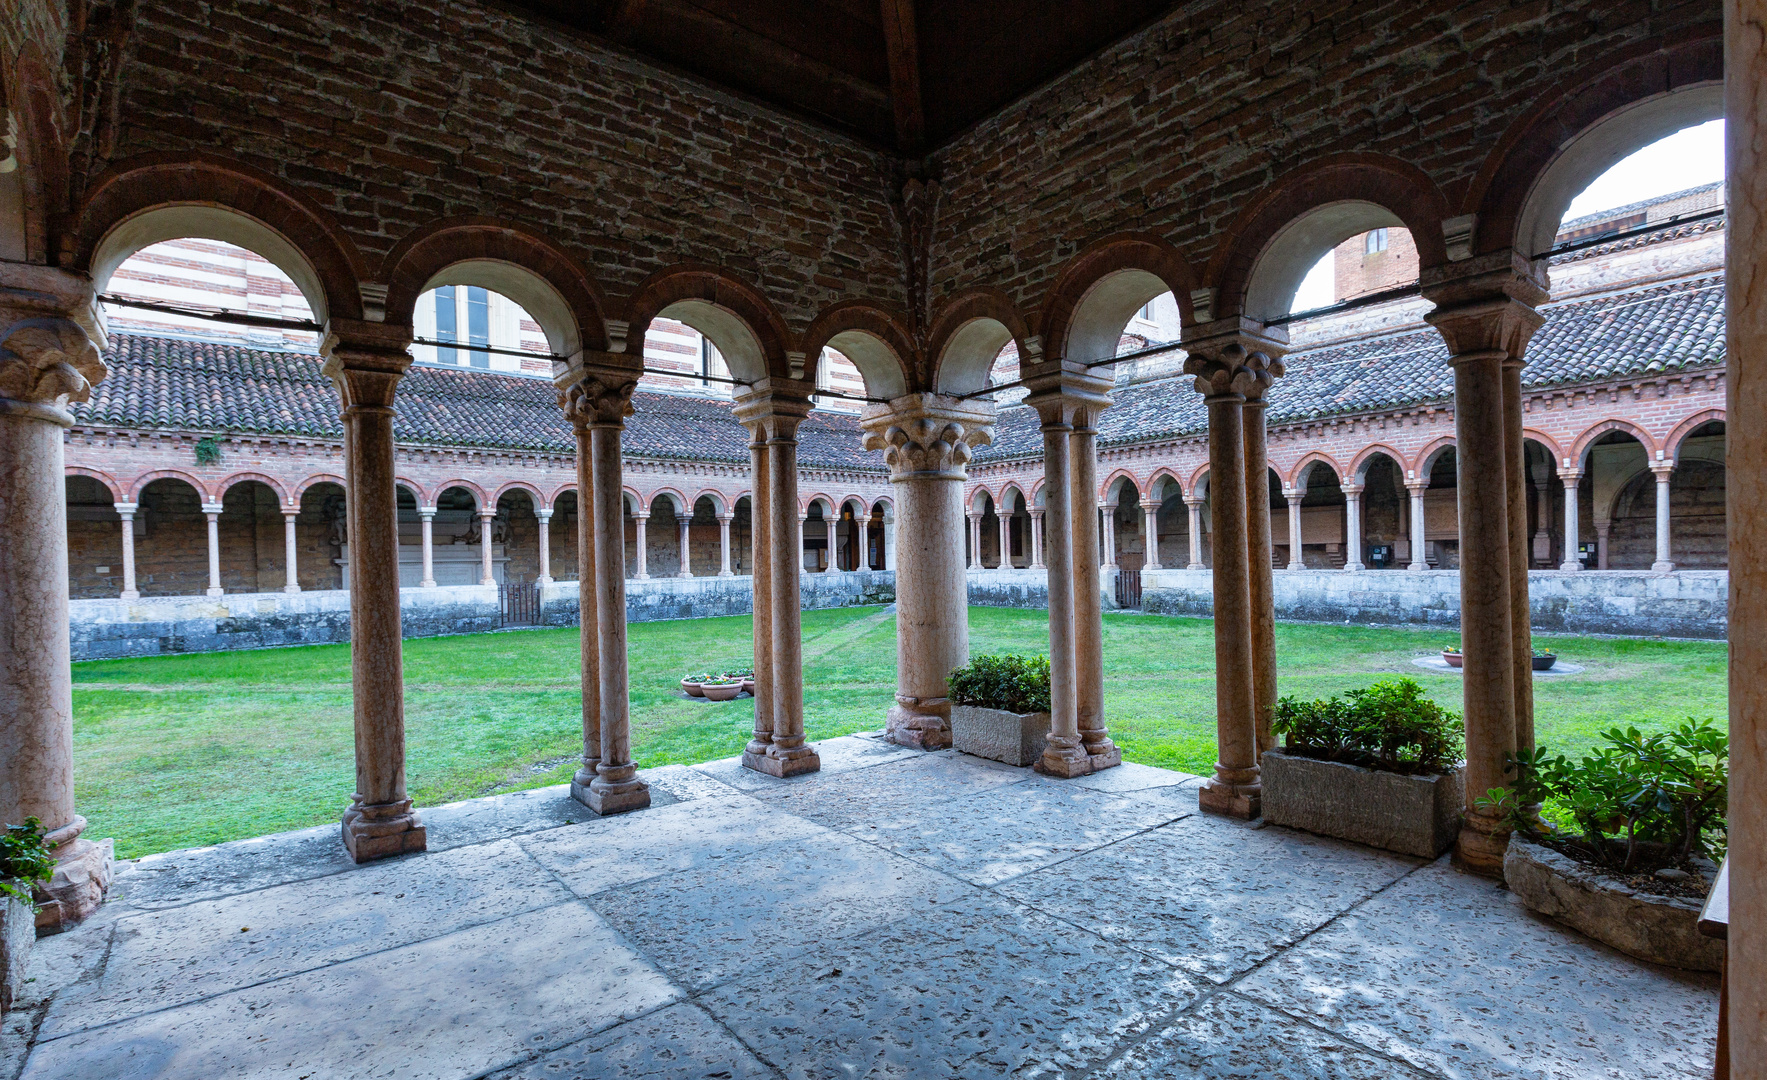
point(647, 538)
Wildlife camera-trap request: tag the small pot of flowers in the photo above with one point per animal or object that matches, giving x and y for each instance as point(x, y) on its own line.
point(1451, 654)
point(1544, 659)
point(690, 684)
point(746, 674)
point(722, 688)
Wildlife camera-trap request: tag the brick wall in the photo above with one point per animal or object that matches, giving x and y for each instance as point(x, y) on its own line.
point(1357, 271)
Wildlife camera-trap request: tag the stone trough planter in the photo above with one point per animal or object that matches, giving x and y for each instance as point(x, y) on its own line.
point(1661, 929)
point(1415, 815)
point(1015, 738)
point(18, 932)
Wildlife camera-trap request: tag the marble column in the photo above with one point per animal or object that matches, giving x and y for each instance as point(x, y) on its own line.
point(1665, 557)
point(889, 539)
point(724, 520)
point(639, 519)
point(776, 407)
point(579, 408)
point(685, 521)
point(1036, 539)
point(974, 525)
point(427, 515)
point(212, 511)
point(289, 557)
point(1260, 573)
point(126, 511)
point(1296, 559)
point(1353, 526)
point(487, 576)
point(544, 517)
point(761, 559)
point(1601, 530)
point(1151, 542)
point(1095, 740)
point(1106, 527)
point(1745, 100)
point(1420, 559)
point(1195, 509)
point(1063, 755)
point(1486, 317)
point(927, 441)
point(51, 338)
point(803, 520)
point(365, 361)
point(1004, 520)
point(1515, 473)
point(1571, 478)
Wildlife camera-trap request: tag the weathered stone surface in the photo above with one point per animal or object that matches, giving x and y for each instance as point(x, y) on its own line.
point(1660, 929)
point(457, 1005)
point(1014, 738)
point(842, 755)
point(1447, 972)
point(904, 789)
point(18, 932)
point(678, 1043)
point(1230, 1038)
point(1414, 815)
point(1130, 777)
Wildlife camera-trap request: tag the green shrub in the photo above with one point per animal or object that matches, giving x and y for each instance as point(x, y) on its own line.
point(24, 859)
point(1390, 726)
point(1639, 802)
point(1017, 684)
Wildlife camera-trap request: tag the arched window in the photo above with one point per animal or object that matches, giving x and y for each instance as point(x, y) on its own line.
point(1375, 242)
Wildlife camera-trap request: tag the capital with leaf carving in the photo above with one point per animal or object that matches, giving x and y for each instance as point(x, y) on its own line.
point(1066, 394)
point(772, 408)
point(1235, 357)
point(596, 391)
point(928, 436)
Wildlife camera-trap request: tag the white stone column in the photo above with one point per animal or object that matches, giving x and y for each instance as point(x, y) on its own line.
point(1571, 478)
point(1005, 523)
point(46, 359)
point(686, 555)
point(973, 522)
point(1151, 539)
point(1195, 507)
point(545, 519)
point(486, 575)
point(803, 521)
point(1665, 558)
point(1419, 556)
point(289, 513)
point(1353, 526)
point(212, 511)
point(889, 539)
point(639, 520)
point(1296, 559)
point(126, 511)
point(427, 514)
point(1036, 539)
point(724, 520)
point(1107, 524)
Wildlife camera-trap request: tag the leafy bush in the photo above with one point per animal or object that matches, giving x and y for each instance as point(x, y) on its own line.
point(1390, 726)
point(24, 859)
point(1640, 802)
point(1018, 684)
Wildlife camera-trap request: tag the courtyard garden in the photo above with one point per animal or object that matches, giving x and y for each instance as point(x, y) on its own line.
point(179, 751)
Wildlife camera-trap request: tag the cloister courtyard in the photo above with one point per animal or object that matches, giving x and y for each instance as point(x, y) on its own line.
point(186, 751)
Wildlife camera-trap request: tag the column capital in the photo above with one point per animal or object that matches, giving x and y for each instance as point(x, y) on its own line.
point(1416, 488)
point(597, 394)
point(1662, 469)
point(486, 514)
point(928, 436)
point(1036, 512)
point(1293, 495)
point(641, 515)
point(1193, 501)
point(211, 508)
point(544, 514)
point(727, 517)
point(47, 361)
point(365, 360)
point(1569, 476)
point(125, 507)
point(1067, 395)
point(427, 511)
point(1487, 305)
point(773, 408)
point(291, 511)
point(1233, 361)
point(1350, 488)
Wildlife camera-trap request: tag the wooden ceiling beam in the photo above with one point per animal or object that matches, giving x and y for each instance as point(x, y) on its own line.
point(903, 45)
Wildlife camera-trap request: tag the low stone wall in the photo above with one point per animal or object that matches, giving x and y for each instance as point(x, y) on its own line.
point(177, 624)
point(1009, 588)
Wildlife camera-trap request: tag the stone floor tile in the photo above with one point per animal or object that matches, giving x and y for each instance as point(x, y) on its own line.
point(1449, 972)
point(178, 877)
point(627, 848)
point(684, 783)
point(1209, 895)
point(678, 1043)
point(1132, 777)
point(163, 958)
point(898, 790)
point(997, 835)
point(979, 988)
point(1230, 1038)
point(451, 1007)
point(718, 922)
point(474, 821)
point(845, 754)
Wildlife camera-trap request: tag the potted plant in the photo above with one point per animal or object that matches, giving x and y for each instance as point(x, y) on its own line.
point(1380, 766)
point(721, 688)
point(1451, 654)
point(1544, 659)
point(25, 860)
point(746, 674)
point(1643, 819)
point(690, 684)
point(1000, 707)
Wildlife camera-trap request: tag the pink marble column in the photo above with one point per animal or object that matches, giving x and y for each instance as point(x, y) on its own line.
point(640, 518)
point(487, 576)
point(50, 340)
point(544, 517)
point(1036, 539)
point(365, 362)
point(1151, 542)
point(580, 411)
point(1260, 559)
point(1195, 508)
point(724, 544)
point(927, 442)
point(975, 540)
point(1004, 520)
point(761, 557)
point(1101, 751)
point(126, 511)
point(685, 522)
point(293, 581)
point(427, 514)
point(212, 511)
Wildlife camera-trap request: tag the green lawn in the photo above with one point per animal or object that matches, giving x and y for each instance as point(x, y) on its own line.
point(186, 750)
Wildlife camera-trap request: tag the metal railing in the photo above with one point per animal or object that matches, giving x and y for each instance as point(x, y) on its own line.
point(518, 604)
point(1129, 589)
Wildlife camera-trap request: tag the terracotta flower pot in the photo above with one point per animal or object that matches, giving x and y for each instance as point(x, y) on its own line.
point(1544, 663)
point(748, 687)
point(1454, 659)
point(721, 691)
point(692, 689)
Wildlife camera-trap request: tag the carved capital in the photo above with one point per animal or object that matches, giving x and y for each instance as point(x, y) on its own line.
point(1066, 395)
point(773, 408)
point(598, 399)
point(928, 436)
point(365, 360)
point(1234, 357)
point(1487, 305)
point(48, 361)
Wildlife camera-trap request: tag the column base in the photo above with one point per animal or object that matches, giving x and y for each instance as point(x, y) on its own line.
point(543, 579)
point(683, 575)
point(620, 797)
point(80, 879)
point(581, 781)
point(430, 584)
point(1418, 566)
point(1483, 843)
point(725, 573)
point(291, 588)
point(1570, 566)
point(1105, 755)
point(1064, 759)
point(922, 723)
point(780, 762)
point(1241, 801)
point(129, 594)
point(1196, 566)
point(214, 592)
point(1661, 567)
point(488, 581)
point(1355, 567)
point(382, 830)
point(1295, 566)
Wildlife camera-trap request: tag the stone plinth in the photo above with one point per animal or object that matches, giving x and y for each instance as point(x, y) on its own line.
point(18, 932)
point(1415, 815)
point(1015, 738)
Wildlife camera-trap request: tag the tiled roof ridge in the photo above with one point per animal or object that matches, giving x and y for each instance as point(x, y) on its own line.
point(1633, 208)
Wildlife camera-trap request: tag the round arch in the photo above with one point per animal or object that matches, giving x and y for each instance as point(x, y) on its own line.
point(1580, 449)
point(508, 486)
point(818, 500)
point(145, 479)
point(733, 316)
point(967, 334)
point(1672, 444)
point(1364, 458)
point(677, 501)
point(415, 488)
point(300, 489)
point(1101, 288)
point(109, 482)
point(1297, 478)
point(559, 492)
point(878, 342)
point(884, 503)
point(1426, 459)
point(720, 504)
point(479, 501)
point(270, 482)
point(1546, 442)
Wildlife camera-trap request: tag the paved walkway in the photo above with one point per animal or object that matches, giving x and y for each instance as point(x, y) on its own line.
point(898, 915)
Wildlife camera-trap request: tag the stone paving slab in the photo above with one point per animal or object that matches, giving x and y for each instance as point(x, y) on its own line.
point(168, 957)
point(1132, 777)
point(454, 1006)
point(683, 783)
point(997, 835)
point(844, 754)
point(475, 821)
point(179, 877)
point(1209, 897)
point(978, 988)
point(1449, 972)
point(678, 1043)
point(707, 925)
point(629, 848)
point(903, 789)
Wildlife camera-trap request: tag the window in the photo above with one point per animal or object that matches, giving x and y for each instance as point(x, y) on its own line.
point(708, 358)
point(1375, 242)
point(458, 315)
point(1146, 312)
point(447, 325)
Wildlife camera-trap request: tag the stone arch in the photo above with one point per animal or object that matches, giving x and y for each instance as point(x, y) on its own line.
point(157, 197)
point(270, 482)
point(416, 489)
point(1114, 483)
point(1165, 476)
point(145, 479)
point(813, 501)
point(735, 317)
point(1599, 115)
point(1101, 288)
point(505, 258)
point(479, 501)
point(110, 483)
point(1365, 457)
point(968, 332)
point(677, 501)
point(1580, 449)
point(300, 489)
point(1199, 482)
point(1672, 444)
point(1546, 442)
point(1012, 488)
point(1261, 260)
point(975, 504)
point(720, 504)
point(885, 502)
point(34, 97)
point(630, 500)
point(558, 492)
point(878, 342)
point(1425, 461)
point(1297, 477)
point(507, 486)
